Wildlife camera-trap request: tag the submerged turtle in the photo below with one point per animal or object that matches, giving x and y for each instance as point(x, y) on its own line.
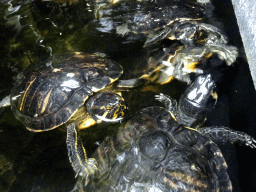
point(155, 152)
point(181, 20)
point(53, 92)
point(177, 20)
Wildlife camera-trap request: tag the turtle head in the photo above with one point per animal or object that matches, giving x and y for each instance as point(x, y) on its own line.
point(197, 100)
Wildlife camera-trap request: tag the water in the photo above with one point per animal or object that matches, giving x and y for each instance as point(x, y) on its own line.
point(30, 30)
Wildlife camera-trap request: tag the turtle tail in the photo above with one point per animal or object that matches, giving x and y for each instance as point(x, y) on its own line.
point(82, 166)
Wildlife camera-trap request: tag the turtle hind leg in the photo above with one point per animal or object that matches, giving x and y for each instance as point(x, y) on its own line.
point(83, 166)
point(224, 134)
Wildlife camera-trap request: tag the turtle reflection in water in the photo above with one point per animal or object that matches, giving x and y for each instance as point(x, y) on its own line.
point(53, 92)
point(155, 152)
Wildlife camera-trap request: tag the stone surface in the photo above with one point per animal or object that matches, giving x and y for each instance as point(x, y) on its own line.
point(245, 11)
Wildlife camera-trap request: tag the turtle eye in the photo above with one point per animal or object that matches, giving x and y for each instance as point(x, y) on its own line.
point(154, 145)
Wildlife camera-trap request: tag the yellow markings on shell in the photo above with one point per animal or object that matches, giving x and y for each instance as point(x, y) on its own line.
point(94, 89)
point(75, 115)
point(24, 95)
point(40, 130)
point(171, 183)
point(188, 179)
point(46, 101)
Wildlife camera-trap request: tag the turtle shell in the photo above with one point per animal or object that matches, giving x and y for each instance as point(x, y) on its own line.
point(52, 90)
point(157, 15)
point(152, 152)
point(165, 13)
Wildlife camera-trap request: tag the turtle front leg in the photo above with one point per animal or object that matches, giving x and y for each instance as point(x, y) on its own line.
point(169, 103)
point(224, 134)
point(82, 165)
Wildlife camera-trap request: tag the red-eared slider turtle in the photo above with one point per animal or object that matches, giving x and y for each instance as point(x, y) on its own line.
point(154, 152)
point(53, 92)
point(179, 62)
point(183, 21)
point(177, 20)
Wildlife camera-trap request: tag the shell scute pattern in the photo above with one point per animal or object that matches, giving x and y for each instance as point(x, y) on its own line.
point(48, 95)
point(155, 156)
point(153, 19)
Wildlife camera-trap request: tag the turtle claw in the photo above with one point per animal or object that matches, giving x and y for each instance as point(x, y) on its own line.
point(169, 103)
point(83, 166)
point(87, 170)
point(250, 141)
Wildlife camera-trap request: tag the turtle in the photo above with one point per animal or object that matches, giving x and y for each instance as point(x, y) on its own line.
point(54, 91)
point(152, 152)
point(181, 22)
point(155, 151)
point(176, 61)
point(177, 20)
